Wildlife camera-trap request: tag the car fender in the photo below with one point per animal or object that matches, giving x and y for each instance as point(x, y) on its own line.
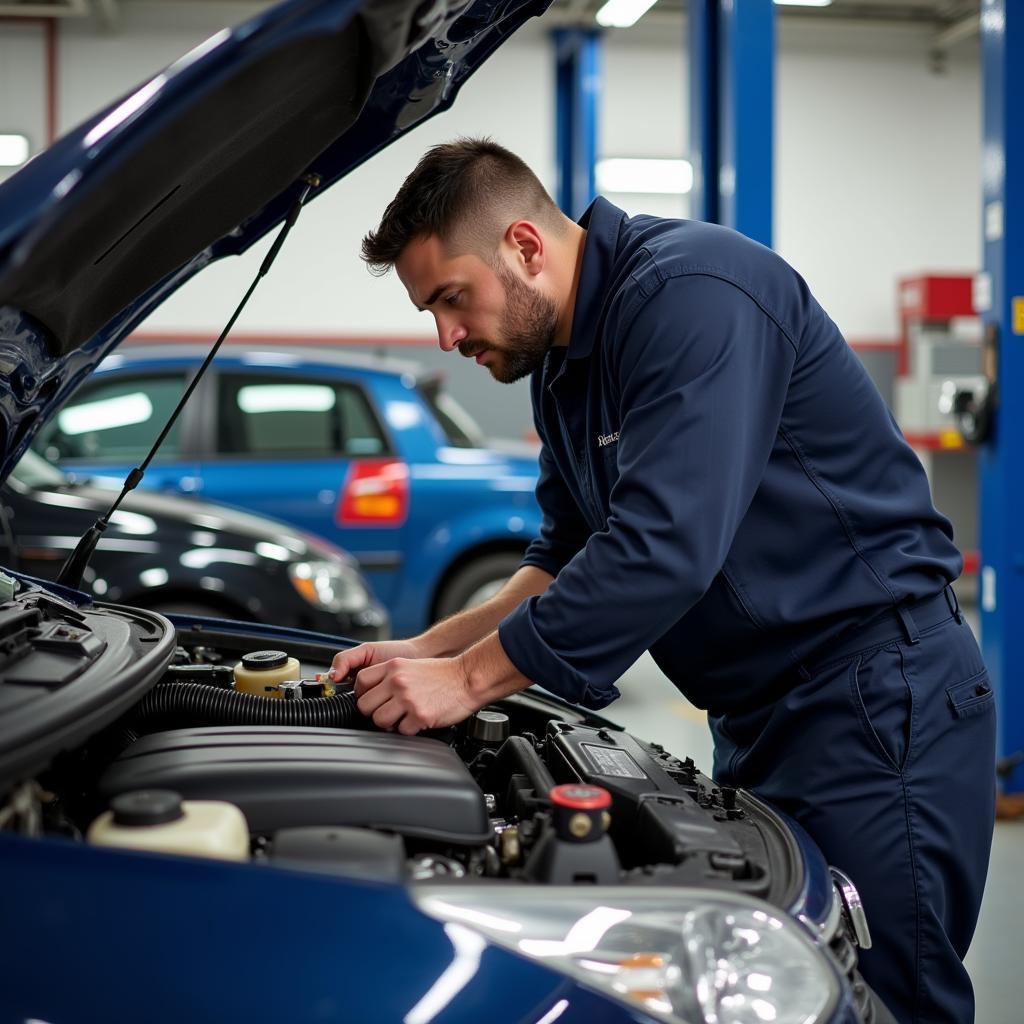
point(449, 542)
point(474, 529)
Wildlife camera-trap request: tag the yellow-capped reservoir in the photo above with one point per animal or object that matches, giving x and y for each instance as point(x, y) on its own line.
point(260, 671)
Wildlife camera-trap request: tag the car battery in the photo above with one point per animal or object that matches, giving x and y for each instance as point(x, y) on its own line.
point(663, 810)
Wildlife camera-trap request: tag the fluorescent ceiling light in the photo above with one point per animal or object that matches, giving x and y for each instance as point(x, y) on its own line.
point(803, 3)
point(13, 150)
point(623, 13)
point(667, 177)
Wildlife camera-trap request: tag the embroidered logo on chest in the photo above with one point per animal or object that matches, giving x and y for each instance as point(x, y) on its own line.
point(604, 440)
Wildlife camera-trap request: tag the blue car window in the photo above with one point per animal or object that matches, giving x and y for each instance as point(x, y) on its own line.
point(361, 433)
point(115, 421)
point(265, 415)
point(459, 428)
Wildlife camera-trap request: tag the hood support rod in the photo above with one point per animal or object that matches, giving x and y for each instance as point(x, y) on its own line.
point(74, 568)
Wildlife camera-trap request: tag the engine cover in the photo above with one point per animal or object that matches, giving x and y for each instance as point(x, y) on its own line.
point(291, 777)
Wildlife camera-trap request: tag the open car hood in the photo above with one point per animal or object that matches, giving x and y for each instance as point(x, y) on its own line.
point(201, 162)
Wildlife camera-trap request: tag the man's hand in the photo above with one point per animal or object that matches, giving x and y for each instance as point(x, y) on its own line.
point(347, 663)
point(403, 689)
point(408, 695)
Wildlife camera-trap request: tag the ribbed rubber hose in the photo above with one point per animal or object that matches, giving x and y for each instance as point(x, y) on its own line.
point(211, 705)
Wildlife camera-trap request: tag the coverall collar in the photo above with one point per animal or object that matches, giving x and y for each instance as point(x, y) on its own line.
point(601, 221)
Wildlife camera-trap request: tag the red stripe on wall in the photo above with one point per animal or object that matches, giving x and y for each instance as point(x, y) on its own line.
point(51, 81)
point(283, 338)
point(363, 340)
point(874, 344)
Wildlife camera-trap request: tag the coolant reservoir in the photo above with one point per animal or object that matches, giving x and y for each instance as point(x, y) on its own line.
point(159, 820)
point(261, 671)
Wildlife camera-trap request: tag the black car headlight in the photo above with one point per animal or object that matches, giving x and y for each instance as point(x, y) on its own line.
point(683, 955)
point(333, 586)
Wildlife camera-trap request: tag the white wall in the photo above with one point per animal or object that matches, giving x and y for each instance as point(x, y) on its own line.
point(644, 107)
point(877, 159)
point(878, 166)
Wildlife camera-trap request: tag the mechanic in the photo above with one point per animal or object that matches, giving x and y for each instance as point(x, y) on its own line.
point(721, 484)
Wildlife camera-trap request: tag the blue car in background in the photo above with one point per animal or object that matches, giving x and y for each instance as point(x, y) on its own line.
point(197, 825)
point(369, 453)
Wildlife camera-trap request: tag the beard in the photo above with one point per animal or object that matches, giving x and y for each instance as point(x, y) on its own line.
point(528, 325)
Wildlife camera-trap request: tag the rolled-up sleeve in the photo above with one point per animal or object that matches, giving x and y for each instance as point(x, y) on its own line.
point(702, 373)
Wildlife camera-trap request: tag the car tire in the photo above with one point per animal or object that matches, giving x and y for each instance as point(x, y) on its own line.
point(476, 582)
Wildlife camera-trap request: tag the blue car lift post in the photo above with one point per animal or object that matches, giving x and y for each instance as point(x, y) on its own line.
point(732, 64)
point(577, 95)
point(732, 94)
point(1001, 477)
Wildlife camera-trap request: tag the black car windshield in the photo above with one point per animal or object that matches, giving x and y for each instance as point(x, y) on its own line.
point(34, 471)
point(459, 427)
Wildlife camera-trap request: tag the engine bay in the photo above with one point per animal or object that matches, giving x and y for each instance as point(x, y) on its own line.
point(160, 708)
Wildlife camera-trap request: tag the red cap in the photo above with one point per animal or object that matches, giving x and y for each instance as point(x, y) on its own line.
point(577, 797)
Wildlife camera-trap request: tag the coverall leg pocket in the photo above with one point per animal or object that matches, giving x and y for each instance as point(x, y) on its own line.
point(884, 701)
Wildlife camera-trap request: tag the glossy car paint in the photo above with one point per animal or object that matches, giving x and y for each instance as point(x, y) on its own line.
point(464, 502)
point(257, 943)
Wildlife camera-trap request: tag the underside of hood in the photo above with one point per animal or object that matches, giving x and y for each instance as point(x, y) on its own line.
point(201, 162)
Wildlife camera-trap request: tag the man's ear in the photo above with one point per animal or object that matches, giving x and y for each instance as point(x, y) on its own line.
point(527, 244)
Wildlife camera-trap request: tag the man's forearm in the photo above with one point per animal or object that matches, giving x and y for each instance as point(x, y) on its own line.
point(489, 672)
point(453, 635)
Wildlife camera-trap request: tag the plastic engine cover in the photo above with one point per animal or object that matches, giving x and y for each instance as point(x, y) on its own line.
point(291, 777)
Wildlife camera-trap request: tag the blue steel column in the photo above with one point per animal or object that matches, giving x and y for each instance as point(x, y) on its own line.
point(1002, 472)
point(702, 40)
point(732, 94)
point(577, 97)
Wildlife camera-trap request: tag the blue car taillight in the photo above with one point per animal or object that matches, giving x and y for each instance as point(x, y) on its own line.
point(375, 493)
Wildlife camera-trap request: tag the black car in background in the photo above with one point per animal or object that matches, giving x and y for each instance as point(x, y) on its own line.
point(181, 555)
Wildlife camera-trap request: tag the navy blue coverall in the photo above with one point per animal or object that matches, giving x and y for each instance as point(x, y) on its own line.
point(722, 484)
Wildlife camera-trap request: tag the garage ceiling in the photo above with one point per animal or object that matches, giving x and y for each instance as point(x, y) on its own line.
point(958, 18)
point(951, 20)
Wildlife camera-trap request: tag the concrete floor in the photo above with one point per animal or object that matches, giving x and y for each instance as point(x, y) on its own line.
point(652, 708)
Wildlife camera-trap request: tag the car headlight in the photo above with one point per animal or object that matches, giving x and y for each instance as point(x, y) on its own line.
point(330, 585)
point(684, 955)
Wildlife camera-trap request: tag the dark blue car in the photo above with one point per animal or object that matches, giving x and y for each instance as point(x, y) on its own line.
point(194, 823)
point(369, 453)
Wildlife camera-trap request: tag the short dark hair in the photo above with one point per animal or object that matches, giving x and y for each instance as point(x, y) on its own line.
point(467, 190)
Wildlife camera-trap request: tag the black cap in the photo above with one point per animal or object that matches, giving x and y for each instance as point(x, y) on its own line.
point(147, 807)
point(259, 661)
point(489, 726)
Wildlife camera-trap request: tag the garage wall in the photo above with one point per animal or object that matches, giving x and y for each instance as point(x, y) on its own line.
point(877, 161)
point(22, 88)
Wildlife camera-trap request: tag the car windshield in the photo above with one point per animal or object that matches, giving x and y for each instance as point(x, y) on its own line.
point(34, 471)
point(459, 427)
